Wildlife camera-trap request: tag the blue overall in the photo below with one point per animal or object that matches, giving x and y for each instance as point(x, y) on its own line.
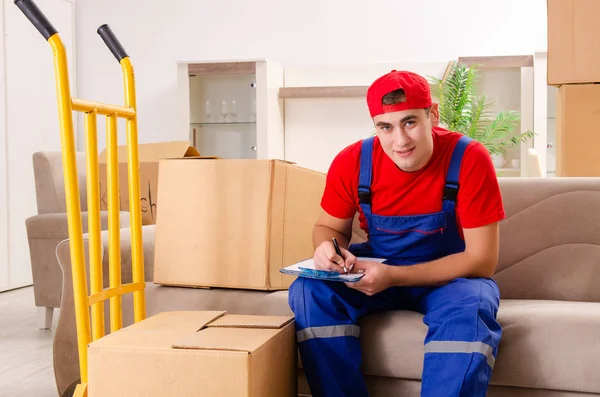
point(463, 334)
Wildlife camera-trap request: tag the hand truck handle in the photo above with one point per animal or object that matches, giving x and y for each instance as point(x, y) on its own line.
point(36, 17)
point(112, 42)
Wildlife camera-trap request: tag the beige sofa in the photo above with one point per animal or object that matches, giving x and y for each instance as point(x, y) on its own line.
point(548, 275)
point(49, 227)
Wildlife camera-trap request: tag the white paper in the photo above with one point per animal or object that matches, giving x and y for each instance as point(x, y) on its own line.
point(310, 264)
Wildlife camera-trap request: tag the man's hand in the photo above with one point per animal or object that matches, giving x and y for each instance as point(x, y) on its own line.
point(376, 279)
point(325, 258)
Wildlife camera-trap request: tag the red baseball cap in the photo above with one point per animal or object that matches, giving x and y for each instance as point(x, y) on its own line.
point(416, 89)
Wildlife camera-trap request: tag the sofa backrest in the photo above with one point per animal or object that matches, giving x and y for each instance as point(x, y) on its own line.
point(49, 181)
point(550, 239)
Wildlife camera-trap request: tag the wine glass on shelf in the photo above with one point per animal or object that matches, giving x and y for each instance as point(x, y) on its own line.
point(207, 110)
point(232, 110)
point(224, 110)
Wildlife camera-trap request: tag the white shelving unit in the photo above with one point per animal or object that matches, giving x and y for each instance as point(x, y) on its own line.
point(509, 82)
point(232, 108)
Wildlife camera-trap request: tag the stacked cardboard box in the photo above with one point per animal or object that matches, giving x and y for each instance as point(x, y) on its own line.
point(196, 353)
point(221, 223)
point(234, 223)
point(574, 67)
point(148, 156)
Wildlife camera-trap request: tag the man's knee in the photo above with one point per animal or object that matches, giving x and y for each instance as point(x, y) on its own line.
point(464, 305)
point(296, 293)
point(306, 292)
point(482, 292)
point(464, 292)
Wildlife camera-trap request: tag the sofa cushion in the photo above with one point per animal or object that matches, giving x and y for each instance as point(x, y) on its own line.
point(549, 344)
point(545, 344)
point(539, 337)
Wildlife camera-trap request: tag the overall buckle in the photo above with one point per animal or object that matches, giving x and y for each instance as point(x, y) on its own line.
point(451, 191)
point(364, 195)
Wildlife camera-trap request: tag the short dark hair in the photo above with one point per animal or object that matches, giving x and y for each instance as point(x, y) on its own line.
point(394, 97)
point(397, 96)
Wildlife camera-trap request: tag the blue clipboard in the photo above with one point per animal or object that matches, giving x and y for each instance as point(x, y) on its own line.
point(322, 274)
point(306, 268)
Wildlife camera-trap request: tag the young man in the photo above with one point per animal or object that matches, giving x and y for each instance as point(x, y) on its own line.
point(430, 203)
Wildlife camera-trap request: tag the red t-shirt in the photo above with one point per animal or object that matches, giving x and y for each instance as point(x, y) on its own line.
point(395, 192)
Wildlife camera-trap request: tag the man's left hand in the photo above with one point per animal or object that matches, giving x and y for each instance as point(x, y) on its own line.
point(376, 279)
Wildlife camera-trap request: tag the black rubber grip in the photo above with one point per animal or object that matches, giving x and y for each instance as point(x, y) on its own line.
point(36, 17)
point(111, 42)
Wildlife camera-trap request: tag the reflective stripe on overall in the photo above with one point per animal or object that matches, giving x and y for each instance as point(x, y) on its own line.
point(463, 334)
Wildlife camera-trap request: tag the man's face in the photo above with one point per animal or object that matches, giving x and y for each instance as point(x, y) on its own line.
point(406, 136)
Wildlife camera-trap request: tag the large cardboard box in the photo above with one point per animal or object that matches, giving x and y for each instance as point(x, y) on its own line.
point(578, 130)
point(196, 353)
point(148, 154)
point(234, 223)
point(573, 45)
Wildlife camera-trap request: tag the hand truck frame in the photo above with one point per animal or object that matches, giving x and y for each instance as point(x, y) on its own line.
point(93, 299)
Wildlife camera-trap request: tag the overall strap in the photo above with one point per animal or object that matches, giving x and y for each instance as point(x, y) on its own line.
point(364, 176)
point(452, 185)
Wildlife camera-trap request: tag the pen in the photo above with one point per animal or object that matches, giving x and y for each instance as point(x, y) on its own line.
point(339, 252)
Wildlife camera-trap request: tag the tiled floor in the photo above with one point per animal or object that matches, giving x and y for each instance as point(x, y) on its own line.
point(25, 350)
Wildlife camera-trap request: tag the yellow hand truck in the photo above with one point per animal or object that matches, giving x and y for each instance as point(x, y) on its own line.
point(94, 298)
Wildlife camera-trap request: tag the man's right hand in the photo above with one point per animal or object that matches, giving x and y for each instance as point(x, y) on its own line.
point(325, 258)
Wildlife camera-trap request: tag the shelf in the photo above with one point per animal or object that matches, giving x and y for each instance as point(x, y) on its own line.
point(360, 91)
point(350, 91)
point(224, 123)
point(222, 68)
point(511, 61)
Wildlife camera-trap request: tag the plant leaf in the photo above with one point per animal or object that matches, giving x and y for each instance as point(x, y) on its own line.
point(462, 110)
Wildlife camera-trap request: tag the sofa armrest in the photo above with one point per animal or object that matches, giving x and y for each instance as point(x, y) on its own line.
point(65, 351)
point(125, 241)
point(44, 233)
point(55, 225)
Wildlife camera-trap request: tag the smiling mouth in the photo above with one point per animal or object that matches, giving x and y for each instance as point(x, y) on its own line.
point(404, 153)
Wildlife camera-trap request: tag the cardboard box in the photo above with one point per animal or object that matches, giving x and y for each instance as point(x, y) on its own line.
point(573, 45)
point(577, 130)
point(234, 223)
point(148, 154)
point(196, 353)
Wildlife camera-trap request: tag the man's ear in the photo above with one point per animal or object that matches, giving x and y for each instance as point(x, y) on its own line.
point(434, 114)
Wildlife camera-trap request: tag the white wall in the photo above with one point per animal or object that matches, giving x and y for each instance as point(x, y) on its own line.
point(30, 123)
point(157, 33)
point(316, 129)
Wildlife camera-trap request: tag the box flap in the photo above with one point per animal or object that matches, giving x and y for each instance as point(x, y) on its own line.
point(150, 152)
point(158, 331)
point(200, 157)
point(245, 340)
point(246, 321)
point(284, 161)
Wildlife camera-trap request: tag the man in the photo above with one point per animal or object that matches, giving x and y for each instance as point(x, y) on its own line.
point(430, 203)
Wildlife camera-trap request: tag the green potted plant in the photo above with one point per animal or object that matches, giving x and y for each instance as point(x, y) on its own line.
point(463, 110)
